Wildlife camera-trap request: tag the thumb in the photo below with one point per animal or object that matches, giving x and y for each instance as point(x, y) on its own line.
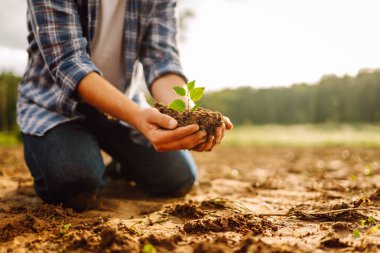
point(228, 123)
point(163, 120)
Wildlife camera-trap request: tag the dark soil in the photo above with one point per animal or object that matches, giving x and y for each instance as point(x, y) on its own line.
point(206, 119)
point(244, 224)
point(265, 200)
point(187, 210)
point(334, 243)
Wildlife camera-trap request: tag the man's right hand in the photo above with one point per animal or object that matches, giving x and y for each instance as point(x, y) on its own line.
point(160, 129)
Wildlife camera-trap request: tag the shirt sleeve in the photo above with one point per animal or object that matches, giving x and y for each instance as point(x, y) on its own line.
point(57, 29)
point(159, 50)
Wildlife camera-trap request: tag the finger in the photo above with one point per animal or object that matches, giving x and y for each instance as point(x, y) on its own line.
point(210, 144)
point(188, 142)
point(223, 133)
point(228, 123)
point(160, 136)
point(199, 148)
point(162, 119)
point(219, 132)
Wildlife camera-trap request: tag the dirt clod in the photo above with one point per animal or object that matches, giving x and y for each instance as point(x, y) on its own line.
point(254, 245)
point(206, 119)
point(161, 241)
point(235, 223)
point(333, 243)
point(187, 210)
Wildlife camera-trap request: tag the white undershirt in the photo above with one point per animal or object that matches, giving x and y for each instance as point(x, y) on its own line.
point(107, 44)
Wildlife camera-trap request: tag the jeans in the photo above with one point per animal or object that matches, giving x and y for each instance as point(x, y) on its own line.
point(67, 166)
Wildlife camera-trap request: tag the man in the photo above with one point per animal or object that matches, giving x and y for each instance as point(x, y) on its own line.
point(82, 56)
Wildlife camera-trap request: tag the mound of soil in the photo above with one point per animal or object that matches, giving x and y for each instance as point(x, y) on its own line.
point(244, 224)
point(206, 119)
point(187, 210)
point(161, 242)
point(254, 245)
point(334, 243)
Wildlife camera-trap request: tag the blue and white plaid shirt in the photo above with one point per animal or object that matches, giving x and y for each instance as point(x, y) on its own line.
point(59, 50)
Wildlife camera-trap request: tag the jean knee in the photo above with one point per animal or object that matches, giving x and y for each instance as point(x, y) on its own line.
point(183, 188)
point(74, 191)
point(180, 182)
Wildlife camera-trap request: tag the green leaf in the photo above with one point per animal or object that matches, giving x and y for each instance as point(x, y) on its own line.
point(178, 105)
point(363, 223)
point(356, 233)
point(371, 219)
point(197, 93)
point(180, 90)
point(149, 248)
point(191, 85)
point(196, 106)
point(67, 226)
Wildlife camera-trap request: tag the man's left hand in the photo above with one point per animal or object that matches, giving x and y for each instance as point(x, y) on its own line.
point(215, 139)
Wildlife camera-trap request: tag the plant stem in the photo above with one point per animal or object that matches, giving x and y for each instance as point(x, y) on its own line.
point(188, 100)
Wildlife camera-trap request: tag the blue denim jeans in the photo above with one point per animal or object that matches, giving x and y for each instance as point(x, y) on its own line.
point(66, 163)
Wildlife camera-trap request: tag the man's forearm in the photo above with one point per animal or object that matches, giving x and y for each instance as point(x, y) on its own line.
point(162, 88)
point(98, 92)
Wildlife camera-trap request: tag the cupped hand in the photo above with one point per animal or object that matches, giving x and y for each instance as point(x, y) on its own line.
point(160, 129)
point(215, 139)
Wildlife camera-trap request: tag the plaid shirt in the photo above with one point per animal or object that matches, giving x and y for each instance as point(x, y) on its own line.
point(59, 50)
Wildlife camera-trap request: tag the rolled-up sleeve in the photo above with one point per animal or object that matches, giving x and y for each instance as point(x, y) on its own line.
point(58, 33)
point(159, 49)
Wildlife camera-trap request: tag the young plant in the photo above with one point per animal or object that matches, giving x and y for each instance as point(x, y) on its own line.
point(191, 93)
point(356, 233)
point(149, 248)
point(64, 231)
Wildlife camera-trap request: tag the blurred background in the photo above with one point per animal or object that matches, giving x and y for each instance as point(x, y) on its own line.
point(291, 72)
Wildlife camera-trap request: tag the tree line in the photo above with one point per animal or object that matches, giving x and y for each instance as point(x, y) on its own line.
point(333, 99)
point(8, 99)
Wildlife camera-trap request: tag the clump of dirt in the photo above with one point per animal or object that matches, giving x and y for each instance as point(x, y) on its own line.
point(341, 226)
point(161, 242)
point(114, 241)
point(334, 243)
point(255, 245)
point(20, 224)
point(46, 211)
point(108, 240)
point(208, 247)
point(8, 232)
point(32, 223)
point(375, 196)
point(206, 119)
point(244, 224)
point(187, 210)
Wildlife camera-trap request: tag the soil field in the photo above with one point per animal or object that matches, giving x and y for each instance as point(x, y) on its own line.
point(247, 200)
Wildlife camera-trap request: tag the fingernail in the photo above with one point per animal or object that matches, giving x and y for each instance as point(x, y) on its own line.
point(204, 133)
point(195, 127)
point(172, 123)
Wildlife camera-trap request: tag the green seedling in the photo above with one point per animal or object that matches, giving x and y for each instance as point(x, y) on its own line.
point(149, 248)
point(191, 93)
point(356, 233)
point(65, 229)
point(367, 222)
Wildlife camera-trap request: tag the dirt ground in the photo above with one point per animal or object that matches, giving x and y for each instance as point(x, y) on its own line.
point(247, 200)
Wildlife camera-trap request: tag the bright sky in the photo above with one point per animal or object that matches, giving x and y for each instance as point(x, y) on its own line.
point(252, 42)
point(277, 42)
